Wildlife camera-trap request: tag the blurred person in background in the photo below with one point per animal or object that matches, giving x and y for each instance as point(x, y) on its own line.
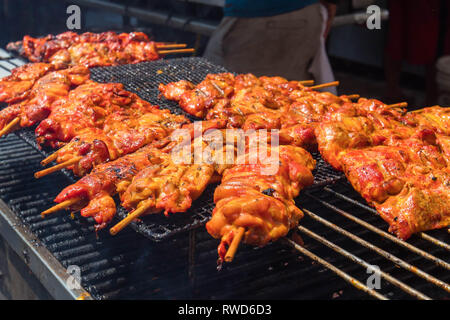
point(416, 35)
point(270, 37)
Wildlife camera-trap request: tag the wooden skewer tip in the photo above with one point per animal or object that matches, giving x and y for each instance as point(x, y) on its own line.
point(325, 85)
point(60, 206)
point(171, 45)
point(353, 96)
point(58, 167)
point(10, 126)
point(398, 105)
point(49, 159)
point(234, 245)
point(306, 82)
point(187, 50)
point(131, 216)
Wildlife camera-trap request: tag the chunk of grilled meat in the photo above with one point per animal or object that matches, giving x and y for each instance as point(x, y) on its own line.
point(197, 99)
point(410, 191)
point(354, 126)
point(261, 201)
point(423, 204)
point(349, 133)
point(443, 142)
point(436, 118)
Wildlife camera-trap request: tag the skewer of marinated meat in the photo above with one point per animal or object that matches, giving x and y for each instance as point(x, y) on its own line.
point(18, 84)
point(93, 49)
point(93, 193)
point(262, 204)
point(46, 92)
point(122, 133)
point(87, 106)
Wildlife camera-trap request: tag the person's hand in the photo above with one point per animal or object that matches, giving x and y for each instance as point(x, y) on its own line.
point(331, 10)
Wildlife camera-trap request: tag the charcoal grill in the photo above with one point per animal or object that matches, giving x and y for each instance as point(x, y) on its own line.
point(342, 236)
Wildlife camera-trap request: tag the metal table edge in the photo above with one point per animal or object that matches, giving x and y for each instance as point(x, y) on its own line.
point(48, 270)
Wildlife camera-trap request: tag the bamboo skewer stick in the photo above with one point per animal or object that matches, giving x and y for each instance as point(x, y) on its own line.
point(234, 245)
point(131, 216)
point(353, 96)
point(325, 85)
point(49, 159)
point(10, 126)
point(58, 167)
point(306, 82)
point(398, 105)
point(171, 45)
point(187, 50)
point(60, 206)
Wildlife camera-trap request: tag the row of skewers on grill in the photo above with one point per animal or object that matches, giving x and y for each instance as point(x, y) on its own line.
point(101, 127)
point(121, 144)
point(142, 190)
point(94, 49)
point(97, 123)
point(397, 160)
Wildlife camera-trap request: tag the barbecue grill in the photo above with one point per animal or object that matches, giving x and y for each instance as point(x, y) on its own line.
point(327, 257)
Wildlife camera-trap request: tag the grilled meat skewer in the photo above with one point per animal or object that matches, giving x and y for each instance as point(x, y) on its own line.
point(122, 133)
point(93, 193)
point(42, 97)
point(261, 203)
point(92, 49)
point(18, 84)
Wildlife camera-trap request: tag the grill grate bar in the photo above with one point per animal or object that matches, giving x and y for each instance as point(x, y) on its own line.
point(381, 252)
point(380, 232)
point(433, 240)
point(363, 263)
point(356, 283)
